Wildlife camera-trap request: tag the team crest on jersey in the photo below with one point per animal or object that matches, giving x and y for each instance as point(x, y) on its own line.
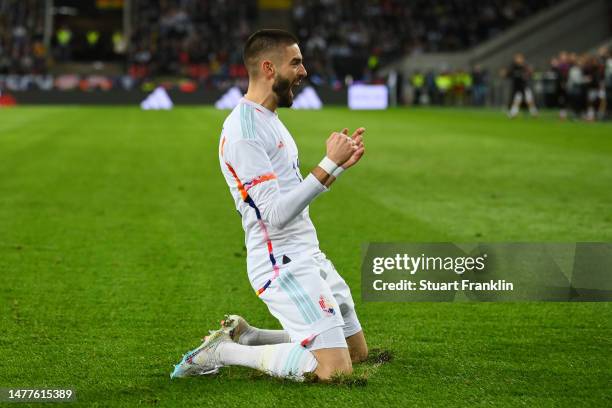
point(326, 306)
point(281, 145)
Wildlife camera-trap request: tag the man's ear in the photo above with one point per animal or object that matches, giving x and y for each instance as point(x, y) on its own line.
point(268, 69)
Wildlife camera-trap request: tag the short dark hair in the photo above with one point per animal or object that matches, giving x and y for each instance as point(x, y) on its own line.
point(262, 41)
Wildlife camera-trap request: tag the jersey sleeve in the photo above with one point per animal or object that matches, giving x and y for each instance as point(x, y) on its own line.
point(252, 170)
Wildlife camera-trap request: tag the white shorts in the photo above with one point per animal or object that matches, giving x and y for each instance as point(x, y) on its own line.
point(309, 297)
point(596, 94)
point(518, 96)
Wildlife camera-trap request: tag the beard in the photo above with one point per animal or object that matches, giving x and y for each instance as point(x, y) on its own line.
point(282, 90)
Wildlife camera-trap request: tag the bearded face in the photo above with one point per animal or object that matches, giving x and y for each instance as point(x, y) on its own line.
point(289, 72)
point(282, 88)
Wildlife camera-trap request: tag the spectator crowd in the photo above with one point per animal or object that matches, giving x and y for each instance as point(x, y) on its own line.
point(342, 40)
point(22, 50)
point(198, 39)
point(338, 33)
point(203, 39)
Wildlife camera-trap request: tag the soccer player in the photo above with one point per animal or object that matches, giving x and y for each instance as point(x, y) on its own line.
point(575, 84)
point(286, 268)
point(519, 73)
point(596, 87)
point(560, 67)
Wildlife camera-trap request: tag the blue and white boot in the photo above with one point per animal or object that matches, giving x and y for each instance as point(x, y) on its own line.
point(203, 360)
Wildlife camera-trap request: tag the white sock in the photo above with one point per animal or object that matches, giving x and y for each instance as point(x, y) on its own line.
point(516, 104)
point(514, 111)
point(590, 113)
point(287, 360)
point(253, 336)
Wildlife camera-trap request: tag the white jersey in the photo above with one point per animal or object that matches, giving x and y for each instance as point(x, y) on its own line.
point(259, 160)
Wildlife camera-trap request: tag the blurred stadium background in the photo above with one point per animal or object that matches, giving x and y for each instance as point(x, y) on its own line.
point(443, 52)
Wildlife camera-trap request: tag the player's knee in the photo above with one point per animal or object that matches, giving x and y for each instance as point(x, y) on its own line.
point(359, 353)
point(358, 348)
point(327, 372)
point(338, 365)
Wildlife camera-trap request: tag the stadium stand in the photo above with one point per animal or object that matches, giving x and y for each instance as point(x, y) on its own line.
point(373, 33)
point(174, 37)
point(22, 50)
point(198, 39)
point(193, 45)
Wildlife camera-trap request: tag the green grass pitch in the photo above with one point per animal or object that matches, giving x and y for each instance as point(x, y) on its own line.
point(120, 248)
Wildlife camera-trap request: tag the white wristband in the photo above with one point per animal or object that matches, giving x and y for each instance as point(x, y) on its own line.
point(338, 172)
point(328, 165)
